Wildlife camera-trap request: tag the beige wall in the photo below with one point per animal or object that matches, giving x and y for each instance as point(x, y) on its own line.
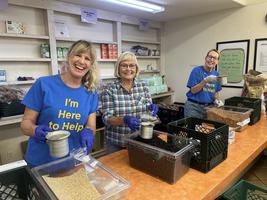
point(188, 40)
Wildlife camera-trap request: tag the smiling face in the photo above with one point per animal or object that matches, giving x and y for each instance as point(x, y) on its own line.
point(211, 60)
point(79, 65)
point(127, 70)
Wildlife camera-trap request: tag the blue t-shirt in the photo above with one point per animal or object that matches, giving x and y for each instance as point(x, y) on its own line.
point(60, 108)
point(206, 95)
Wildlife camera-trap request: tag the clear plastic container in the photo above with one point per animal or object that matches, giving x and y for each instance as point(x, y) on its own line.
point(105, 183)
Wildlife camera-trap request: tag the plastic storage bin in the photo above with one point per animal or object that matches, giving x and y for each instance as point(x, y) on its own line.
point(80, 179)
point(235, 117)
point(10, 109)
point(246, 102)
point(20, 184)
point(164, 156)
point(213, 137)
point(245, 190)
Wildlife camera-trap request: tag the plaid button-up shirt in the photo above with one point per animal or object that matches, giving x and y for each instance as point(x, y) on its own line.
point(118, 102)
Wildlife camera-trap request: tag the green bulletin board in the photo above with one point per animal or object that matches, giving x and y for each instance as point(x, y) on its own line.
point(233, 61)
point(232, 64)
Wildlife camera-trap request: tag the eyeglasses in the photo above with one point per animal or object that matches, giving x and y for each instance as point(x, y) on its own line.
point(125, 66)
point(212, 58)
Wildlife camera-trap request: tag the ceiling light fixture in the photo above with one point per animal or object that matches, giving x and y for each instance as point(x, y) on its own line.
point(149, 7)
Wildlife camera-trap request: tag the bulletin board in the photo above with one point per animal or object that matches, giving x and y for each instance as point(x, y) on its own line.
point(260, 55)
point(233, 61)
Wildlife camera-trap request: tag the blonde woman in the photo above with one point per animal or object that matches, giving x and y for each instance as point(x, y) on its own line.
point(67, 101)
point(123, 101)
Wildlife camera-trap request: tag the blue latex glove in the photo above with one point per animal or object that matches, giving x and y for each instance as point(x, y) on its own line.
point(40, 133)
point(87, 139)
point(132, 122)
point(154, 109)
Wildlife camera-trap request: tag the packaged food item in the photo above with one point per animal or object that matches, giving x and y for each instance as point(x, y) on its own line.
point(44, 49)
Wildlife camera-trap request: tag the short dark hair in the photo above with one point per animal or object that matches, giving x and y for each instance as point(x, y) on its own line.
point(215, 50)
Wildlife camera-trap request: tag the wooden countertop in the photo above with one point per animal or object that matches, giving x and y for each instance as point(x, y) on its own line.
point(194, 185)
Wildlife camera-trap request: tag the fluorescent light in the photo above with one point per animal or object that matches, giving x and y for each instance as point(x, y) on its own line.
point(149, 7)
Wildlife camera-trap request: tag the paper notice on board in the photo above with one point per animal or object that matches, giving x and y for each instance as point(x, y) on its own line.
point(61, 29)
point(261, 56)
point(89, 15)
point(231, 64)
point(143, 24)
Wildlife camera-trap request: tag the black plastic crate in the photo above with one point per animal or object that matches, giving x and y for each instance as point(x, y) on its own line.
point(19, 184)
point(10, 109)
point(245, 190)
point(99, 121)
point(247, 102)
point(213, 146)
point(169, 113)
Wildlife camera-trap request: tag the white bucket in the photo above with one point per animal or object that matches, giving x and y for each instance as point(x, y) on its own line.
point(58, 143)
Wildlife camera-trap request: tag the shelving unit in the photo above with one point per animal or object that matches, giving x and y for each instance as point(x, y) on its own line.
point(24, 36)
point(20, 53)
point(10, 120)
point(18, 82)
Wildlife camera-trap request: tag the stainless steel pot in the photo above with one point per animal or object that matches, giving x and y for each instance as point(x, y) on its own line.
point(58, 143)
point(147, 130)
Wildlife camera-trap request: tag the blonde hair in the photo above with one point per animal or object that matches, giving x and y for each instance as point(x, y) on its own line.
point(90, 79)
point(124, 57)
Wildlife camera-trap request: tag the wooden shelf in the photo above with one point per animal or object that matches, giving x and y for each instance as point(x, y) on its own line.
point(10, 120)
point(107, 77)
point(98, 60)
point(106, 60)
point(18, 82)
point(165, 94)
point(148, 57)
point(149, 71)
point(140, 41)
point(26, 59)
point(25, 36)
point(70, 39)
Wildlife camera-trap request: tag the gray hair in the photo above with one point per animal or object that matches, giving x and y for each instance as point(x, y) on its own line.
point(124, 57)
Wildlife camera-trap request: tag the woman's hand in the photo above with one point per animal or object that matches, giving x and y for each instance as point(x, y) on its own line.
point(87, 139)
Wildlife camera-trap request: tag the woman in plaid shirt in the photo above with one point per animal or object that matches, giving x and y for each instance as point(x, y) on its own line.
point(123, 101)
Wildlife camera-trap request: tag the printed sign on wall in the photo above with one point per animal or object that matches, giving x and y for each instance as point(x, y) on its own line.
point(89, 15)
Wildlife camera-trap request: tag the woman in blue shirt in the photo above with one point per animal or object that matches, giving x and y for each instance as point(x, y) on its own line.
point(66, 101)
point(203, 87)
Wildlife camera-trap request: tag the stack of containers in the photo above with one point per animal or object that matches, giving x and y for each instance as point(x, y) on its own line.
point(246, 102)
point(235, 117)
point(213, 138)
point(155, 84)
